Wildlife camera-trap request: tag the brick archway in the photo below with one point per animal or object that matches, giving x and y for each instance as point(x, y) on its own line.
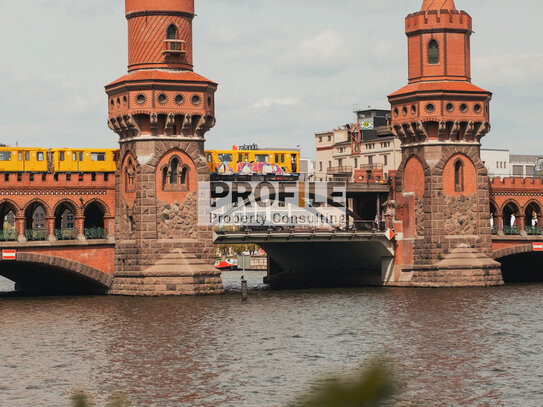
point(510, 251)
point(83, 271)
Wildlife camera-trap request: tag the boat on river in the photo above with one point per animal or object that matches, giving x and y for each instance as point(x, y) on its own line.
point(227, 264)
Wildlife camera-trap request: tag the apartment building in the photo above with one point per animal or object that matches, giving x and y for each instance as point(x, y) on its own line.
point(366, 145)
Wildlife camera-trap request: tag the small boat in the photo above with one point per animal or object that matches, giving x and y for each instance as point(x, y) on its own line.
point(227, 264)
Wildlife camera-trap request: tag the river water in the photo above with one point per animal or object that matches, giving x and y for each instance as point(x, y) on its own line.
point(458, 347)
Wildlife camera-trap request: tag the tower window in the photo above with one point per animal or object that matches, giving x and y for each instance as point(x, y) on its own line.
point(174, 166)
point(459, 176)
point(172, 32)
point(433, 52)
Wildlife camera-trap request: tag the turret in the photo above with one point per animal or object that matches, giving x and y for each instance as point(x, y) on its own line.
point(159, 34)
point(440, 102)
point(441, 183)
point(161, 95)
point(161, 111)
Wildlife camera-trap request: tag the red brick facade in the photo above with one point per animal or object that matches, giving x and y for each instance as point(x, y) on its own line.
point(441, 189)
point(161, 111)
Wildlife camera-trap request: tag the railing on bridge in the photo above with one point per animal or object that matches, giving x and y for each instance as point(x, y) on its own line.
point(66, 234)
point(533, 230)
point(95, 233)
point(511, 230)
point(358, 225)
point(34, 235)
point(8, 235)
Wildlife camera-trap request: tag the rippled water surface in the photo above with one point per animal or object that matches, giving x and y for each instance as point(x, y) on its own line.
point(464, 347)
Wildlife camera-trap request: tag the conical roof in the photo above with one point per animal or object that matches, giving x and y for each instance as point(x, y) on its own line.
point(438, 5)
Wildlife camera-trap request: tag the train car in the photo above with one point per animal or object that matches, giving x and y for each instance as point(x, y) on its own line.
point(253, 164)
point(20, 159)
point(83, 160)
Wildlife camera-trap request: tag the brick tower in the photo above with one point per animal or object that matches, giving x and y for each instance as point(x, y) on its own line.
point(161, 111)
point(442, 186)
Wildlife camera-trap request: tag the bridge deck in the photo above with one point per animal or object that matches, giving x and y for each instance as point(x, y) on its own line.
point(296, 236)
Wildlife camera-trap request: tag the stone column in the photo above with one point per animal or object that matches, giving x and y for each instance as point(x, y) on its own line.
point(80, 227)
point(109, 225)
point(20, 228)
point(520, 220)
point(50, 227)
point(498, 223)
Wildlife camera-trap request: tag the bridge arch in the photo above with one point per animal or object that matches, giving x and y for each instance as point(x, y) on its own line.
point(36, 213)
point(76, 209)
point(533, 213)
point(40, 273)
point(8, 205)
point(511, 212)
point(520, 263)
point(510, 251)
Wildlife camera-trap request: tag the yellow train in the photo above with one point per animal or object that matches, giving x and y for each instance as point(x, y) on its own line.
point(54, 160)
point(253, 164)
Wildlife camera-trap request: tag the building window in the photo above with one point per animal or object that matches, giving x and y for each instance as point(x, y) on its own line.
point(172, 32)
point(385, 160)
point(329, 164)
point(518, 170)
point(320, 166)
point(459, 176)
point(433, 52)
point(370, 159)
point(356, 163)
point(340, 162)
point(320, 139)
point(173, 171)
point(329, 138)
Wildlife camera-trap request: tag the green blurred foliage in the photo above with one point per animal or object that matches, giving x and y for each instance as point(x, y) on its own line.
point(369, 387)
point(82, 399)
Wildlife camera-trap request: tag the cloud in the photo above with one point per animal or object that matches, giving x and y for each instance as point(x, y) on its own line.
point(270, 102)
point(83, 7)
point(510, 68)
point(327, 52)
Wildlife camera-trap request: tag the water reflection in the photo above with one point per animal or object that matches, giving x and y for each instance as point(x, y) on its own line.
point(454, 347)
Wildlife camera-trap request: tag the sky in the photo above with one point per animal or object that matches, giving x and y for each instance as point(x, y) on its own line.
point(286, 69)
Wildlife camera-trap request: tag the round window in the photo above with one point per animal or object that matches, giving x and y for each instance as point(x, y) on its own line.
point(463, 108)
point(195, 100)
point(477, 108)
point(404, 111)
point(430, 108)
point(413, 109)
point(179, 99)
point(449, 107)
point(396, 111)
point(141, 98)
point(162, 98)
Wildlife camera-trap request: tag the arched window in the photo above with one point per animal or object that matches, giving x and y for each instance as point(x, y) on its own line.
point(7, 223)
point(172, 32)
point(433, 52)
point(65, 222)
point(164, 177)
point(129, 176)
point(183, 176)
point(174, 166)
point(459, 176)
point(94, 221)
point(35, 222)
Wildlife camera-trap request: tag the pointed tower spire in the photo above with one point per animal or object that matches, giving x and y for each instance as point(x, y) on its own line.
point(438, 5)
